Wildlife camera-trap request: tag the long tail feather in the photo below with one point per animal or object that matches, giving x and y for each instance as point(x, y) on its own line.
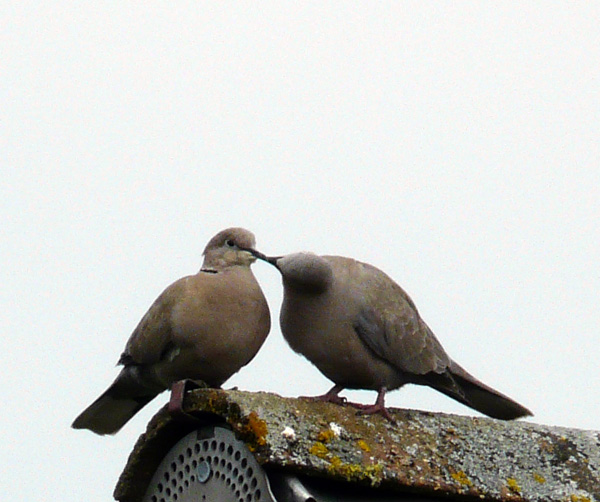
point(115, 407)
point(473, 393)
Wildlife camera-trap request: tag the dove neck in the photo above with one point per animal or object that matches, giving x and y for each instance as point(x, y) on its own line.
point(305, 272)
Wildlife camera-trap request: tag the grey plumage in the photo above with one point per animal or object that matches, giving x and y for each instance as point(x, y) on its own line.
point(363, 331)
point(203, 327)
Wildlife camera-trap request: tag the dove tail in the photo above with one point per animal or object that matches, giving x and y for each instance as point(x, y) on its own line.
point(460, 385)
point(481, 397)
point(114, 408)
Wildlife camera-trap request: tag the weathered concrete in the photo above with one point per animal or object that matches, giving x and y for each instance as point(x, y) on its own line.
point(428, 453)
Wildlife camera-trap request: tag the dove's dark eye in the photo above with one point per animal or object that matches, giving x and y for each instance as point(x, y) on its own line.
point(230, 243)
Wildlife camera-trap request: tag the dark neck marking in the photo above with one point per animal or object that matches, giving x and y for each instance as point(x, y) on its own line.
point(209, 270)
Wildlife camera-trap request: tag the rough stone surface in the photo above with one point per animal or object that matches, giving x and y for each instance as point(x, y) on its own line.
point(429, 453)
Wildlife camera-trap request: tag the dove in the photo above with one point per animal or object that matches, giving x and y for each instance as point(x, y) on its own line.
point(202, 327)
point(363, 331)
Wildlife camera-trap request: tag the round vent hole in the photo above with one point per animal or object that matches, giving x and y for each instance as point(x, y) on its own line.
point(203, 471)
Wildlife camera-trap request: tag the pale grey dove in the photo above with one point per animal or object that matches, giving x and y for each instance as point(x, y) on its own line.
point(362, 331)
point(202, 327)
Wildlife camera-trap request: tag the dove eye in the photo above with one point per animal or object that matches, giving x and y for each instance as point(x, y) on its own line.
point(230, 243)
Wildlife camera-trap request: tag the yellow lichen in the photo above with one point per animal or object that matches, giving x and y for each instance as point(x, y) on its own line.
point(539, 478)
point(363, 445)
point(319, 450)
point(580, 498)
point(325, 436)
point(350, 472)
point(215, 402)
point(355, 472)
point(513, 485)
point(335, 462)
point(462, 478)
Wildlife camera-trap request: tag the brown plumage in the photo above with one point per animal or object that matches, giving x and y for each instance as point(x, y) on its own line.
point(202, 327)
point(362, 331)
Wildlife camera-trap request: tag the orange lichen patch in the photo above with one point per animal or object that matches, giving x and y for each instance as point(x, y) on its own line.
point(256, 428)
point(513, 485)
point(362, 444)
point(539, 478)
point(462, 478)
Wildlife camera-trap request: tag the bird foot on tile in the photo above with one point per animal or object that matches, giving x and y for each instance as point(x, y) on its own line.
point(377, 408)
point(329, 397)
point(178, 391)
point(374, 409)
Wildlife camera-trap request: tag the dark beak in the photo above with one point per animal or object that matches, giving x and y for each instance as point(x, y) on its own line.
point(269, 259)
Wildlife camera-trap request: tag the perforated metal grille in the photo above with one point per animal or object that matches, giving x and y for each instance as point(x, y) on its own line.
point(210, 464)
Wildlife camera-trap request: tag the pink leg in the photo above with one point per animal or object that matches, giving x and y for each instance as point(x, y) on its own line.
point(178, 390)
point(176, 401)
point(378, 407)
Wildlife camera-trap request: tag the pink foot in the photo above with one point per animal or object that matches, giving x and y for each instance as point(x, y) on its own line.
point(378, 407)
point(330, 397)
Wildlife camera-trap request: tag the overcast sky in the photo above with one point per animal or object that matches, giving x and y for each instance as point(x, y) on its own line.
point(454, 145)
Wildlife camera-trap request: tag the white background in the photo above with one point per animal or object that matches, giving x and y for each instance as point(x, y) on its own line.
point(454, 145)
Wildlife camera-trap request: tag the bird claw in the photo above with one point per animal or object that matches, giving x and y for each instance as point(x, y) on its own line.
point(332, 399)
point(378, 407)
point(331, 396)
point(375, 409)
point(360, 406)
point(325, 398)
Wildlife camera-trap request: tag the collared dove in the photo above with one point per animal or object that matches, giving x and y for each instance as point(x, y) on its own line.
point(362, 331)
point(204, 326)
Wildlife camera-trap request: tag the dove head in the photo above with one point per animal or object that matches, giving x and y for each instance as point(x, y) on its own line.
point(303, 272)
point(230, 247)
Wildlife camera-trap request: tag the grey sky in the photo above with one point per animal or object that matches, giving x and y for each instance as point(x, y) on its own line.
point(454, 145)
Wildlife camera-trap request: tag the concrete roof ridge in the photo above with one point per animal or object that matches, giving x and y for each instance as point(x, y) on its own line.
point(424, 452)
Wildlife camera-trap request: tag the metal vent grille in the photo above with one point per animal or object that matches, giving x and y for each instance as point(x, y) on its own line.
point(209, 464)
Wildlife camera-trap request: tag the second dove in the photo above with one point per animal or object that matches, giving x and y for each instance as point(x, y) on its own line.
point(363, 331)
